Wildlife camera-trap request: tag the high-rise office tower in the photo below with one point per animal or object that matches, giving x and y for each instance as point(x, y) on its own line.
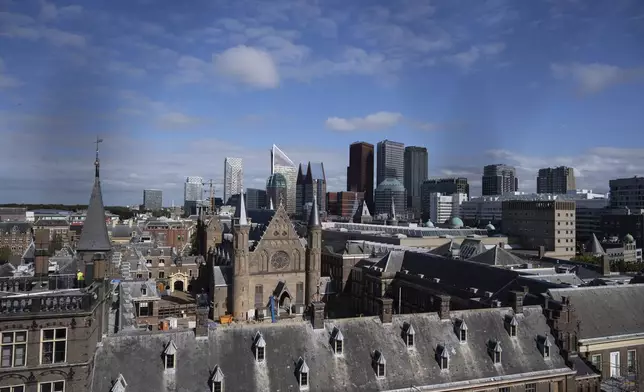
point(416, 167)
point(391, 161)
point(557, 180)
point(192, 195)
point(499, 179)
point(281, 163)
point(233, 177)
point(360, 170)
point(627, 192)
point(311, 180)
point(152, 199)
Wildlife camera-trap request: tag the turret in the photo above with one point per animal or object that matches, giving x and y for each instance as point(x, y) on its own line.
point(392, 220)
point(313, 253)
point(241, 230)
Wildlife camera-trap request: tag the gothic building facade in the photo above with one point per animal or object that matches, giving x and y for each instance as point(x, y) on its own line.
point(273, 273)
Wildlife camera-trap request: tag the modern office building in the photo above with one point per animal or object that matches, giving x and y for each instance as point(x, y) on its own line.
point(499, 179)
point(256, 198)
point(281, 163)
point(152, 199)
point(627, 192)
point(344, 204)
point(620, 222)
point(389, 189)
point(445, 186)
point(444, 207)
point(556, 180)
point(391, 161)
point(542, 224)
point(360, 170)
point(192, 195)
point(233, 177)
point(276, 190)
point(311, 180)
point(416, 166)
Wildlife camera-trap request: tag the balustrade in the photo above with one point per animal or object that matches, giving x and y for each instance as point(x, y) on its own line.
point(56, 303)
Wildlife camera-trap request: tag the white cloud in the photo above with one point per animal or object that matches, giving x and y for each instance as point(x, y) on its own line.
point(595, 77)
point(7, 81)
point(251, 66)
point(176, 120)
point(125, 68)
point(375, 121)
point(466, 59)
point(49, 11)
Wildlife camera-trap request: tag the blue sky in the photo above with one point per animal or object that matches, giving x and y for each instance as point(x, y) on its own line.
point(175, 87)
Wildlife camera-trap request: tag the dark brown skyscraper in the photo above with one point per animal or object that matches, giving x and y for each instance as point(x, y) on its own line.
point(360, 170)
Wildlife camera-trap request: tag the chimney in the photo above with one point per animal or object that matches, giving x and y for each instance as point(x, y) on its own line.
point(605, 264)
point(386, 309)
point(516, 301)
point(317, 315)
point(41, 252)
point(443, 306)
point(203, 308)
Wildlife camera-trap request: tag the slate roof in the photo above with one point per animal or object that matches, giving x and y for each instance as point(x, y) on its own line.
point(566, 279)
point(448, 249)
point(222, 275)
point(94, 237)
point(605, 311)
point(231, 349)
point(497, 256)
point(21, 227)
point(392, 261)
point(470, 248)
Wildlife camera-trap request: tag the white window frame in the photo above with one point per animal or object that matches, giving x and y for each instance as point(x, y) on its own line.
point(13, 345)
point(598, 365)
point(531, 387)
point(12, 388)
point(339, 347)
point(384, 370)
point(513, 331)
point(304, 384)
point(51, 385)
point(217, 383)
point(631, 368)
point(410, 340)
point(54, 341)
point(166, 362)
point(496, 357)
point(462, 335)
point(260, 358)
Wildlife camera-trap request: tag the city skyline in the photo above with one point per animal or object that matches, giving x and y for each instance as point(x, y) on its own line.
point(480, 84)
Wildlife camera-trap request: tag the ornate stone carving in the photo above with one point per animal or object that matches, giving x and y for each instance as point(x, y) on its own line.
point(280, 260)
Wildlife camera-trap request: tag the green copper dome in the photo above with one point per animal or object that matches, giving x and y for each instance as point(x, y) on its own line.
point(455, 223)
point(629, 239)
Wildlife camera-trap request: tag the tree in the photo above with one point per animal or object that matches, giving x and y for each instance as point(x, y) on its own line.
point(5, 254)
point(55, 244)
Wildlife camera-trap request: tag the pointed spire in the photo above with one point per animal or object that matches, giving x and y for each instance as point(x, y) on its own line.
point(392, 209)
point(94, 236)
point(240, 211)
point(314, 218)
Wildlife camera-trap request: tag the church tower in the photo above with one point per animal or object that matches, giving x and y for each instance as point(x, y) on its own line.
point(313, 253)
point(94, 246)
point(241, 229)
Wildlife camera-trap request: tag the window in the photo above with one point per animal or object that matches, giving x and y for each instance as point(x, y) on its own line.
point(497, 357)
point(144, 310)
point(381, 370)
point(531, 387)
point(546, 351)
point(53, 346)
point(259, 295)
point(299, 293)
point(14, 348)
point(14, 388)
point(55, 386)
point(169, 361)
point(217, 386)
point(338, 347)
point(161, 274)
point(410, 340)
point(513, 330)
point(444, 363)
point(304, 379)
point(189, 272)
point(260, 354)
point(144, 291)
point(504, 389)
point(463, 335)
point(596, 360)
point(630, 361)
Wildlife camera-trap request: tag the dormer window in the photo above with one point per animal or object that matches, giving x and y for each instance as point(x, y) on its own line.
point(303, 374)
point(337, 341)
point(144, 290)
point(544, 345)
point(260, 347)
point(461, 331)
point(495, 351)
point(169, 356)
point(119, 385)
point(409, 334)
point(442, 354)
point(380, 364)
point(511, 324)
point(161, 263)
point(217, 380)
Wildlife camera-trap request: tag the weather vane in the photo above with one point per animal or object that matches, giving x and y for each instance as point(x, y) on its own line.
point(96, 163)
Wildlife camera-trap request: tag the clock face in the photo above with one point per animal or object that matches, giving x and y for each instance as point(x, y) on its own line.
point(280, 260)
